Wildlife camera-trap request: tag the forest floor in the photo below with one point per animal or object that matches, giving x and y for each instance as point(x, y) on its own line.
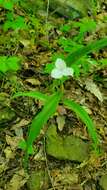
point(42, 42)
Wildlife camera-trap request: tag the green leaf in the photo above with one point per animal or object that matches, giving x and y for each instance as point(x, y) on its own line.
point(22, 145)
point(13, 63)
point(85, 118)
point(18, 23)
point(68, 44)
point(3, 67)
point(49, 67)
point(15, 24)
point(9, 63)
point(76, 70)
point(36, 95)
point(103, 62)
point(1, 2)
point(10, 16)
point(85, 25)
point(40, 120)
point(8, 5)
point(30, 150)
point(65, 28)
point(93, 46)
point(7, 25)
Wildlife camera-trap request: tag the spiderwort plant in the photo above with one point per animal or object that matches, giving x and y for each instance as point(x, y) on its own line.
point(51, 102)
point(58, 72)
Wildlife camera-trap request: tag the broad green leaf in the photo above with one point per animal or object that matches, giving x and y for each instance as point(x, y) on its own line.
point(37, 95)
point(40, 120)
point(13, 63)
point(85, 118)
point(8, 5)
point(15, 24)
point(3, 66)
point(9, 63)
point(93, 46)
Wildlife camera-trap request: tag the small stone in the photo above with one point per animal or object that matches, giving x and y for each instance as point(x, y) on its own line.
point(103, 182)
point(66, 147)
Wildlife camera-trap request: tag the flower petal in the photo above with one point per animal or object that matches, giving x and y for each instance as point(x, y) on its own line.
point(68, 72)
point(56, 74)
point(60, 64)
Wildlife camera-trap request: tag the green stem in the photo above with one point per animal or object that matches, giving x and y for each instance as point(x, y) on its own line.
point(25, 161)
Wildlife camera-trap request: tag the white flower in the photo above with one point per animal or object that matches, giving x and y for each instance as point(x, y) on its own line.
point(61, 69)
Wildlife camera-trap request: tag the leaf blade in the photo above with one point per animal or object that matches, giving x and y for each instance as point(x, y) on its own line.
point(85, 118)
point(41, 119)
point(93, 46)
point(36, 94)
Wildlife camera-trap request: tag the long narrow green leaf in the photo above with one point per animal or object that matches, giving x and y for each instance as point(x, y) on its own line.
point(36, 94)
point(93, 46)
point(85, 118)
point(41, 119)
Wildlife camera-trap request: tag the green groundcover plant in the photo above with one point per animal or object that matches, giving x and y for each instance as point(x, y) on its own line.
point(12, 21)
point(60, 71)
point(9, 64)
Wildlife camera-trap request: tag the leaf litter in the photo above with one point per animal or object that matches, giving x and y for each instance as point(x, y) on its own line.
point(90, 94)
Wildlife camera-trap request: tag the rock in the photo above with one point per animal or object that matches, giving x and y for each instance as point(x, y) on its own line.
point(38, 180)
point(6, 116)
point(103, 182)
point(71, 8)
point(68, 9)
point(66, 147)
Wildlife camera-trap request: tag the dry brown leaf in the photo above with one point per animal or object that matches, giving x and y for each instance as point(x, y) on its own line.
point(33, 81)
point(13, 142)
point(3, 167)
point(17, 181)
point(61, 110)
point(93, 88)
point(9, 153)
point(21, 123)
point(40, 155)
point(25, 43)
point(61, 122)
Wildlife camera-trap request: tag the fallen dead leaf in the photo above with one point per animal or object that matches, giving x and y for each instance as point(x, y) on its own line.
point(13, 142)
point(33, 81)
point(93, 88)
point(9, 153)
point(61, 122)
point(17, 181)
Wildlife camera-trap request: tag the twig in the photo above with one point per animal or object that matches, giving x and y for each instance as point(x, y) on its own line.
point(47, 15)
point(47, 166)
